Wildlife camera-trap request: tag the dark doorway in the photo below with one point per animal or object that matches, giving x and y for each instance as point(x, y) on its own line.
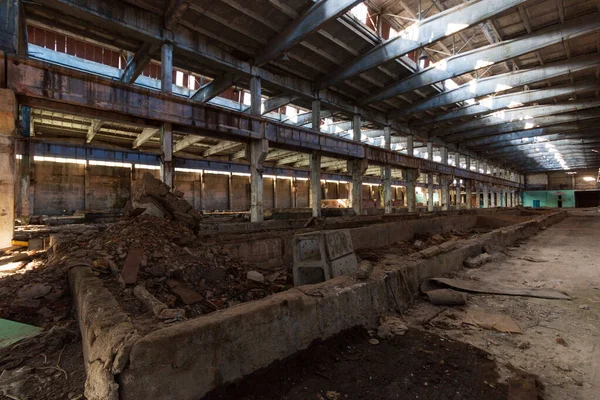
point(587, 199)
point(559, 201)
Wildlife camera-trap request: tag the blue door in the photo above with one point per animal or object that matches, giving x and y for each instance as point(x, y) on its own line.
point(536, 203)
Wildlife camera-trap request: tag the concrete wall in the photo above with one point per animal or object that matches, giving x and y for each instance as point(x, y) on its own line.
point(549, 198)
point(561, 180)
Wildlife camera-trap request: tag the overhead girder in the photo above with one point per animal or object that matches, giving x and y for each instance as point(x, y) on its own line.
point(522, 125)
point(420, 34)
point(220, 147)
point(530, 133)
point(137, 62)
point(557, 145)
point(514, 100)
point(214, 88)
point(488, 55)
point(143, 137)
point(275, 102)
point(186, 142)
point(293, 158)
point(306, 117)
point(499, 83)
point(541, 139)
point(94, 128)
point(310, 21)
point(137, 24)
point(520, 114)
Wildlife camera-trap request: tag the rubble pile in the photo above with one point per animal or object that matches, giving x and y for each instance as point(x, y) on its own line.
point(150, 196)
point(166, 259)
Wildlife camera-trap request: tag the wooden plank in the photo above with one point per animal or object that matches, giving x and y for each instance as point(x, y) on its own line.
point(132, 265)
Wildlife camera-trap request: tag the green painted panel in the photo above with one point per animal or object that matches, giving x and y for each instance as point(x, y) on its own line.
point(549, 198)
point(11, 331)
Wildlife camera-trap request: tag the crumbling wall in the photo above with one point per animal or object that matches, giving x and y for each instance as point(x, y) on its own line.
point(187, 360)
point(58, 187)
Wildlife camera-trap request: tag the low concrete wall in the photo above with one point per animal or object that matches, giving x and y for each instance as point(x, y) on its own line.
point(187, 360)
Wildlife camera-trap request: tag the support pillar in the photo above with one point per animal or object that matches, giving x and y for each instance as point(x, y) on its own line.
point(13, 28)
point(255, 96)
point(445, 200)
point(387, 173)
point(458, 194)
point(469, 193)
point(315, 183)
point(410, 145)
point(477, 194)
point(166, 64)
point(411, 178)
point(430, 178)
point(356, 123)
point(486, 199)
point(167, 171)
point(8, 118)
point(25, 166)
point(257, 153)
point(357, 168)
point(316, 115)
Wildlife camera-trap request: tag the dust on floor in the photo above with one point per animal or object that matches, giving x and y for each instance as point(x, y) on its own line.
point(417, 365)
point(561, 339)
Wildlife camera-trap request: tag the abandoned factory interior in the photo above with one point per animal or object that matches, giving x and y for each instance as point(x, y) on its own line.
point(299, 199)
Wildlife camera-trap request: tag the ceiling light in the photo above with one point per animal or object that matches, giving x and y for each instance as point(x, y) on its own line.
point(595, 151)
point(589, 178)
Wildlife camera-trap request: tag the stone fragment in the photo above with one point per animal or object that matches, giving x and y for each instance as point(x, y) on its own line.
point(447, 246)
point(184, 292)
point(151, 302)
point(172, 313)
point(373, 341)
point(430, 252)
point(390, 327)
point(332, 395)
point(524, 345)
point(178, 194)
point(561, 341)
point(34, 291)
point(478, 261)
point(151, 206)
point(132, 265)
point(184, 219)
point(364, 270)
point(584, 307)
point(255, 276)
point(419, 244)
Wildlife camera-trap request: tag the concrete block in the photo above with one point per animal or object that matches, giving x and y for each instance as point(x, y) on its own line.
point(477, 261)
point(430, 252)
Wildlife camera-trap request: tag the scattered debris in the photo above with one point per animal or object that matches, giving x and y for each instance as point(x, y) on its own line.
point(482, 287)
point(584, 307)
point(498, 322)
point(524, 345)
point(186, 294)
point(373, 341)
point(132, 265)
point(255, 276)
point(533, 259)
point(332, 395)
point(390, 327)
point(419, 244)
point(446, 297)
point(478, 261)
point(364, 270)
point(561, 341)
point(34, 291)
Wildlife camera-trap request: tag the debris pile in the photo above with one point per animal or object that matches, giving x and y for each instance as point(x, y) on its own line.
point(150, 196)
point(150, 255)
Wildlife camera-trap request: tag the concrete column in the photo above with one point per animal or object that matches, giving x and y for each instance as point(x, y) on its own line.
point(506, 202)
point(316, 115)
point(166, 65)
point(357, 168)
point(25, 166)
point(13, 31)
point(356, 123)
point(445, 183)
point(167, 171)
point(410, 145)
point(255, 96)
point(387, 174)
point(469, 193)
point(315, 183)
point(257, 153)
point(8, 118)
point(430, 178)
point(486, 199)
point(411, 198)
point(458, 193)
point(468, 161)
point(477, 194)
point(444, 155)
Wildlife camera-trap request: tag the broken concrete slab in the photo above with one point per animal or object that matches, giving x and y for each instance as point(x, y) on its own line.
point(131, 268)
point(187, 295)
point(478, 261)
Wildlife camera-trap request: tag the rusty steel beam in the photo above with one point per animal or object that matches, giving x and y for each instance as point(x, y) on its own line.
point(48, 85)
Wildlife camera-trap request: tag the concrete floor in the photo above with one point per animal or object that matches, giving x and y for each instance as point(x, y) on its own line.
point(568, 259)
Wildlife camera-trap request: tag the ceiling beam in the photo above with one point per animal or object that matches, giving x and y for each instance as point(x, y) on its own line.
point(521, 114)
point(143, 137)
point(93, 130)
point(186, 142)
point(174, 12)
point(136, 63)
point(515, 100)
point(220, 147)
point(499, 83)
point(523, 125)
point(309, 22)
point(422, 33)
point(488, 55)
point(293, 158)
point(557, 145)
point(214, 88)
point(273, 103)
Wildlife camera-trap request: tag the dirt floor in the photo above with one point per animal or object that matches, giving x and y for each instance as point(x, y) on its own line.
point(561, 339)
point(417, 365)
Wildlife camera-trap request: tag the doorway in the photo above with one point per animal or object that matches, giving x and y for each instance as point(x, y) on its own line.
point(588, 198)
